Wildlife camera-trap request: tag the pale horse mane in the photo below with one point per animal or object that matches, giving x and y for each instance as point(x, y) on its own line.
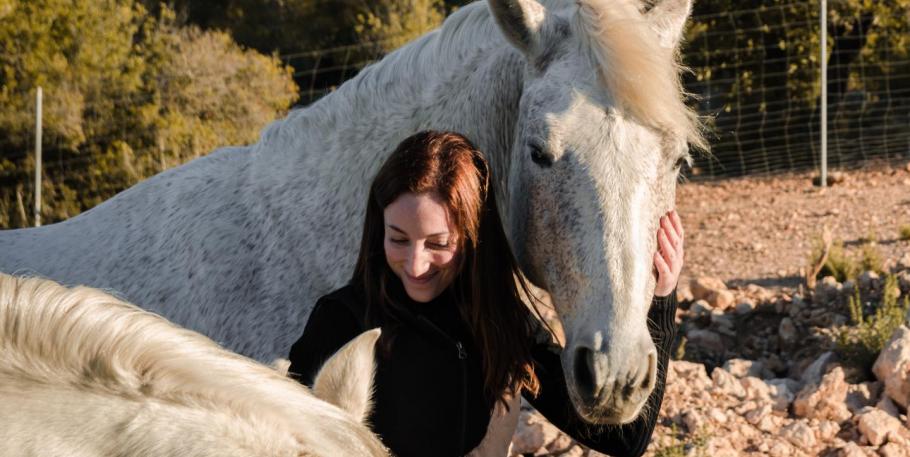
point(86, 342)
point(642, 72)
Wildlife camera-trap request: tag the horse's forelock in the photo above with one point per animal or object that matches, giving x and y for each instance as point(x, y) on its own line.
point(642, 76)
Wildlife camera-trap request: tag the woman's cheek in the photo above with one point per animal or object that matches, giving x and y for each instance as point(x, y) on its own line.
point(392, 253)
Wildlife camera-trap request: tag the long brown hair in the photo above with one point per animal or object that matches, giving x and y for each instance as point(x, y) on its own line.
point(488, 288)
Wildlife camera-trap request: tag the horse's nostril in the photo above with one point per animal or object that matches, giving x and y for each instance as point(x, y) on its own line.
point(584, 373)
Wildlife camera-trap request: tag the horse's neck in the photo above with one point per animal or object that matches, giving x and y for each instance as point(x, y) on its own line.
point(463, 77)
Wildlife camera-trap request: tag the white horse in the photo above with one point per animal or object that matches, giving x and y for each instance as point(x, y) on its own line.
point(84, 374)
point(579, 108)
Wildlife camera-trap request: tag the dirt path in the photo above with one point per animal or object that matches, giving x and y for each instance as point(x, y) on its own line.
point(761, 230)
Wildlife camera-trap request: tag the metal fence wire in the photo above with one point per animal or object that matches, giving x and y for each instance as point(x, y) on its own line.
point(755, 76)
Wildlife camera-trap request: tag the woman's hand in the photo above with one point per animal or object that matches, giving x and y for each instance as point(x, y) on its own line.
point(668, 260)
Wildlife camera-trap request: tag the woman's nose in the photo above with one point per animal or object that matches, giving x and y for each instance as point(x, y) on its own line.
point(417, 263)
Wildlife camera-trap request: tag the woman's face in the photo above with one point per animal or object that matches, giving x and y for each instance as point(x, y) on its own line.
point(420, 244)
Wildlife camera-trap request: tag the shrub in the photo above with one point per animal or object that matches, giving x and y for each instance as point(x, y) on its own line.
point(681, 448)
point(872, 259)
point(871, 326)
point(904, 232)
point(838, 264)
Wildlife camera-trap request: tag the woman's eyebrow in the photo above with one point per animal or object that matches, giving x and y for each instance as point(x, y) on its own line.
point(405, 233)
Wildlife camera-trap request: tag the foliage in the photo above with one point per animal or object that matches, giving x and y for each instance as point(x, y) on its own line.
point(871, 325)
point(392, 23)
point(126, 95)
point(839, 264)
point(872, 259)
point(327, 41)
point(904, 232)
point(680, 352)
point(682, 448)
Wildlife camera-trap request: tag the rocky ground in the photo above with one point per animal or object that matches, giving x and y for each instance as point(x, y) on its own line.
point(758, 369)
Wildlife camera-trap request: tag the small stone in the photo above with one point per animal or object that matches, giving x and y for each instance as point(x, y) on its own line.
point(818, 367)
point(861, 395)
point(852, 449)
point(704, 286)
point(904, 262)
point(756, 389)
point(693, 374)
point(868, 280)
point(827, 430)
point(700, 308)
point(787, 330)
point(722, 322)
point(888, 406)
point(847, 288)
point(533, 433)
point(693, 420)
point(721, 299)
point(742, 367)
point(727, 384)
point(782, 393)
point(756, 415)
point(717, 415)
point(780, 449)
point(560, 443)
point(825, 400)
point(705, 339)
point(745, 306)
point(758, 293)
point(799, 434)
point(903, 281)
point(892, 366)
point(827, 290)
point(875, 425)
point(893, 450)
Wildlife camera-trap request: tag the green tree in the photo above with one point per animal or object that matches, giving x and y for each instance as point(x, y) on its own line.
point(127, 94)
point(389, 24)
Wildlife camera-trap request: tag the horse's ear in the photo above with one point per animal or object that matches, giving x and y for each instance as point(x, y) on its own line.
point(668, 19)
point(346, 379)
point(520, 21)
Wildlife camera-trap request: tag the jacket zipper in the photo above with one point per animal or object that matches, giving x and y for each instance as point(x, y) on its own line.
point(462, 356)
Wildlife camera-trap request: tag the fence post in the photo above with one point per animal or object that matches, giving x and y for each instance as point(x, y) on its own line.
point(823, 51)
point(38, 157)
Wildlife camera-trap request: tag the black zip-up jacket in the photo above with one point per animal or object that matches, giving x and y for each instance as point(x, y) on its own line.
point(428, 398)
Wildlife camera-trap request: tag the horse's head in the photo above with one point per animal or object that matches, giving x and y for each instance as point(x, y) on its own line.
point(601, 133)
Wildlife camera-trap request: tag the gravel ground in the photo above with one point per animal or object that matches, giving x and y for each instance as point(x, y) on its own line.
point(760, 229)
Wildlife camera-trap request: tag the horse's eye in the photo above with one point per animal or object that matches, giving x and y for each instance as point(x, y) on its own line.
point(539, 156)
point(680, 162)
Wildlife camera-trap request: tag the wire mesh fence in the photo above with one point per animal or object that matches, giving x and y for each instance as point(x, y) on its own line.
point(754, 74)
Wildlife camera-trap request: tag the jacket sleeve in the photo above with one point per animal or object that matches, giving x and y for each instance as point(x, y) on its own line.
point(623, 440)
point(330, 325)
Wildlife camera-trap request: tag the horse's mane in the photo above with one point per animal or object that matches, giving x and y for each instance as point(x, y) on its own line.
point(89, 340)
point(642, 75)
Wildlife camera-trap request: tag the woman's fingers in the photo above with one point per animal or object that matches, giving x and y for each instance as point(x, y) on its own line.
point(662, 268)
point(666, 249)
point(677, 224)
point(667, 225)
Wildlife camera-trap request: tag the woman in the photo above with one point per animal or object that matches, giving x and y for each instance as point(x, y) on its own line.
point(436, 273)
